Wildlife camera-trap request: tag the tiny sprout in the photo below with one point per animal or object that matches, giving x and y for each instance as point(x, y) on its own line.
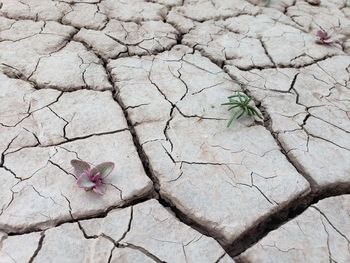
point(91, 178)
point(240, 101)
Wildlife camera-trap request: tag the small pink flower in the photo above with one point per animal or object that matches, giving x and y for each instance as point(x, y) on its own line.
point(323, 37)
point(91, 178)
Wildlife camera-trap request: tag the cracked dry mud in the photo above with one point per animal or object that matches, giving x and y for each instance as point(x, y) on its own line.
point(140, 83)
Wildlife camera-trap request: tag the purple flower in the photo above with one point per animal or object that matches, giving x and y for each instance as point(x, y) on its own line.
point(91, 178)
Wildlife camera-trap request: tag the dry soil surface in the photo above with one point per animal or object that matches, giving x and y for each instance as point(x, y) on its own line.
point(140, 83)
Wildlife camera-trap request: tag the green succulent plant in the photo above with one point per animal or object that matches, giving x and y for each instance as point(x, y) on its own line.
point(239, 105)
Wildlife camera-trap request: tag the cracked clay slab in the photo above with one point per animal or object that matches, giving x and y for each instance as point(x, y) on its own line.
point(284, 43)
point(320, 234)
point(120, 39)
point(24, 42)
point(18, 248)
point(48, 181)
point(31, 117)
point(42, 130)
point(149, 226)
point(227, 180)
point(138, 232)
point(309, 113)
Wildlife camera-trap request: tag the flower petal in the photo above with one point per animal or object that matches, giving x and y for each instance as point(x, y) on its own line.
point(98, 189)
point(80, 167)
point(84, 182)
point(105, 168)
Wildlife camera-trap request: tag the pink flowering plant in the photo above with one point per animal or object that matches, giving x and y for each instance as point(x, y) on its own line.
point(328, 38)
point(323, 37)
point(91, 178)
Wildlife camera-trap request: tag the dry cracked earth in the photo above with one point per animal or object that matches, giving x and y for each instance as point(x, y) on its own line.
point(140, 83)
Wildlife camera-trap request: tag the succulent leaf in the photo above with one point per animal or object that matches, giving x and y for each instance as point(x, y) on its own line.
point(105, 168)
point(85, 182)
point(80, 167)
